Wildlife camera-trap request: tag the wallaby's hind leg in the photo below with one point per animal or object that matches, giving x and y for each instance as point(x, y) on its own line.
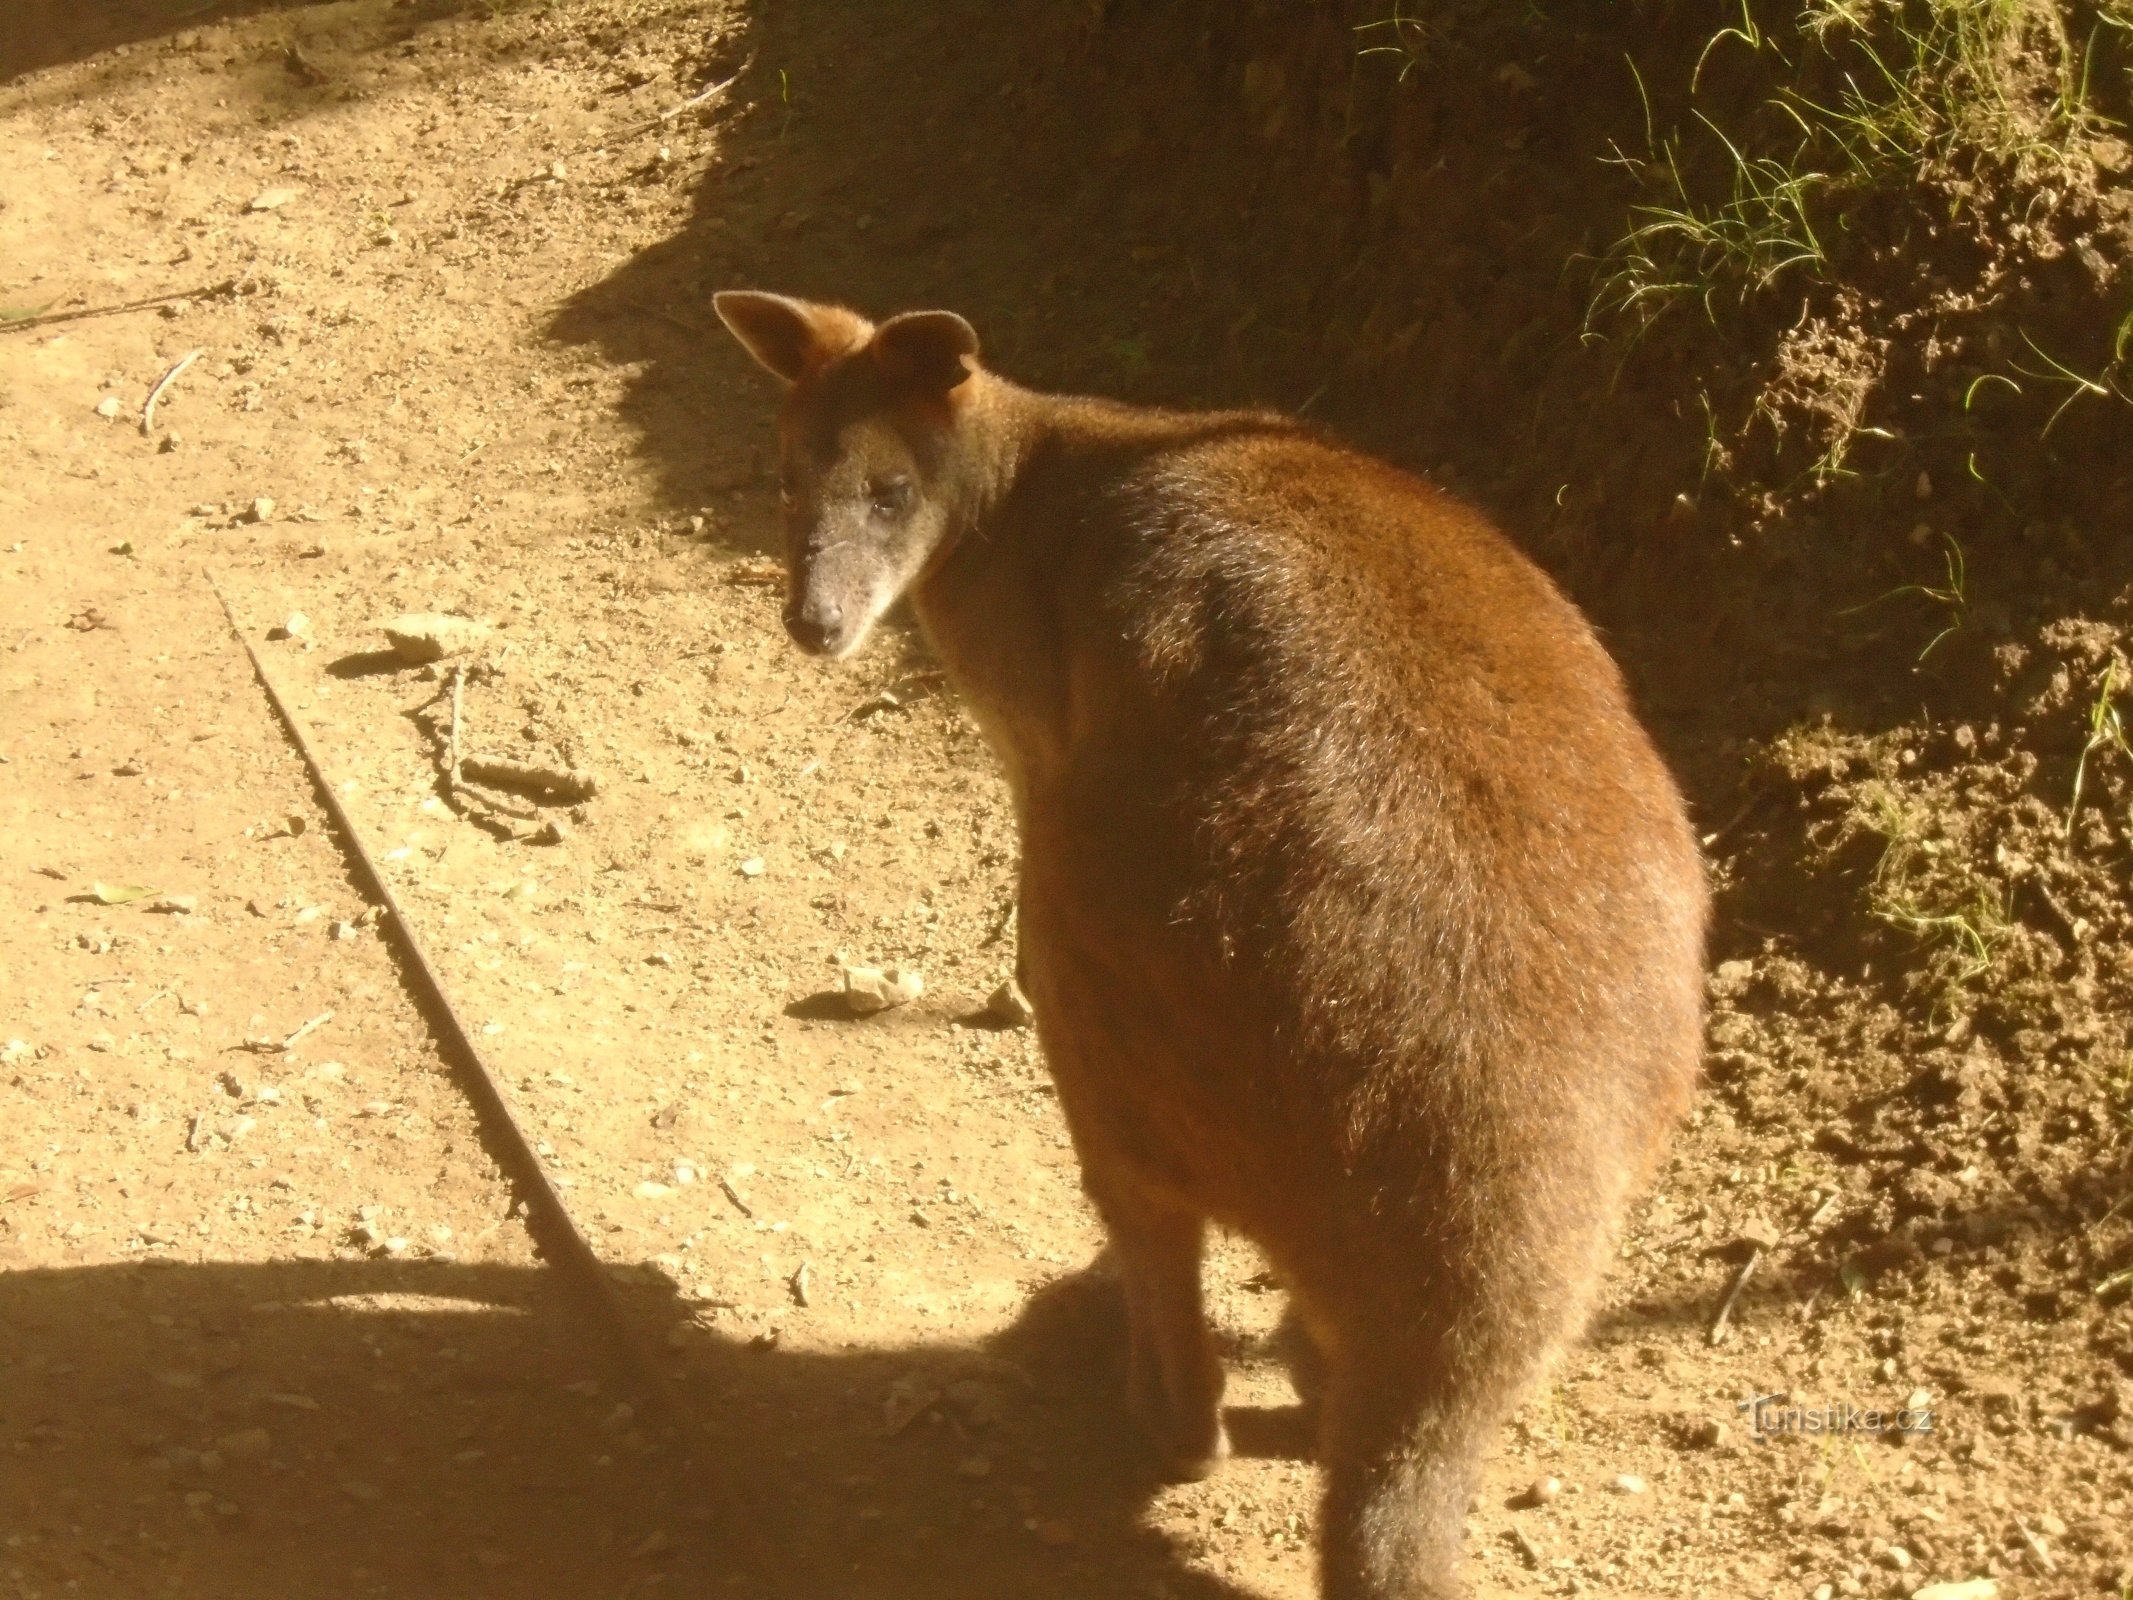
point(1174, 1379)
point(1402, 1436)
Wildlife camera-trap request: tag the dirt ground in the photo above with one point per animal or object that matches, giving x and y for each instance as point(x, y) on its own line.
point(270, 1323)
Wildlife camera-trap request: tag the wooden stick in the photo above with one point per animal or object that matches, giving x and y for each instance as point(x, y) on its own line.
point(1740, 1282)
point(547, 1217)
point(559, 783)
point(451, 771)
point(148, 411)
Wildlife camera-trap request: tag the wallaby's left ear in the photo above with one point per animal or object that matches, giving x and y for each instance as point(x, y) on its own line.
point(929, 351)
point(790, 337)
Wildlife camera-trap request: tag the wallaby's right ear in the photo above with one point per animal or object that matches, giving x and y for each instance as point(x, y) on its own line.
point(790, 337)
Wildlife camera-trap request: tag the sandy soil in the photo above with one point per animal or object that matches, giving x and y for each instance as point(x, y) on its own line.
point(271, 1324)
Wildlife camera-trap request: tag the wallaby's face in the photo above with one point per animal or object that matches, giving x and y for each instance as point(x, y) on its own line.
point(867, 465)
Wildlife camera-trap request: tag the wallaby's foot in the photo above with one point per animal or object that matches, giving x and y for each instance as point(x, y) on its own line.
point(1173, 1377)
point(1298, 1349)
point(1185, 1432)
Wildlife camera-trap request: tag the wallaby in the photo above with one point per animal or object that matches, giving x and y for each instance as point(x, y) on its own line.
point(1358, 913)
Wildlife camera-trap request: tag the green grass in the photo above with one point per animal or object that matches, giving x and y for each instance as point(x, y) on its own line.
point(1952, 595)
point(1922, 886)
point(1863, 95)
point(1402, 37)
point(2107, 731)
point(1677, 246)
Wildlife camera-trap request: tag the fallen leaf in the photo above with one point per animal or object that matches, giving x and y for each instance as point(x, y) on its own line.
point(109, 894)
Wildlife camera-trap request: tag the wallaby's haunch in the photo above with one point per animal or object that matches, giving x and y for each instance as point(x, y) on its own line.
point(1357, 911)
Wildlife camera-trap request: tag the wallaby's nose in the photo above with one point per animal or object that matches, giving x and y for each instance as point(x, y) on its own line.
point(812, 625)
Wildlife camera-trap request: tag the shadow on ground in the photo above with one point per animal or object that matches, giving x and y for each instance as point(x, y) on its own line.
point(430, 1428)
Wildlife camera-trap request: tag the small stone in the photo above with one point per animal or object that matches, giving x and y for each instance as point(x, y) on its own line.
point(1709, 1434)
point(868, 990)
point(1628, 1483)
point(343, 930)
point(1539, 1492)
point(680, 1334)
point(108, 407)
point(1968, 1589)
point(175, 905)
point(1898, 1557)
point(554, 831)
point(417, 637)
point(246, 1444)
point(260, 510)
point(752, 867)
point(1009, 1006)
point(653, 1191)
point(294, 626)
point(273, 199)
point(2051, 1525)
point(1923, 488)
point(1759, 1233)
point(171, 443)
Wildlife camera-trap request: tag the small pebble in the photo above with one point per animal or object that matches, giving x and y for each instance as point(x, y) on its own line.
point(108, 407)
point(868, 990)
point(1628, 1483)
point(247, 1444)
point(1009, 1006)
point(417, 637)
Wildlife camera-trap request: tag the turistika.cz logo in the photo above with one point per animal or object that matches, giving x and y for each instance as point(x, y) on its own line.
point(1774, 1416)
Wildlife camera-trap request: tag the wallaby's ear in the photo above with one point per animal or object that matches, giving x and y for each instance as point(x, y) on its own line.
point(930, 351)
point(790, 337)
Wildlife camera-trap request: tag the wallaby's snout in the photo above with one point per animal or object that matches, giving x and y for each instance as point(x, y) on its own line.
point(816, 624)
point(868, 469)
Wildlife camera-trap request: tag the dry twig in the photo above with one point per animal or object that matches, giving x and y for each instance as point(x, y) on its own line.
point(177, 368)
point(664, 117)
point(213, 291)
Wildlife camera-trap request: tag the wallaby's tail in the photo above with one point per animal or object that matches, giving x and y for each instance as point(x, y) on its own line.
point(1402, 1450)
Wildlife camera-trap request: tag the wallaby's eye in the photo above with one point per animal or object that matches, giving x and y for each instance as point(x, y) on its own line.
point(889, 497)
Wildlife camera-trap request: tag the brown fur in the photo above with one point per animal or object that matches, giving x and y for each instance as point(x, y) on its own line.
point(1358, 912)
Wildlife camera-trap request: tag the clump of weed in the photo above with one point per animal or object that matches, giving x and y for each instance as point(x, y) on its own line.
point(1923, 884)
point(1862, 95)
